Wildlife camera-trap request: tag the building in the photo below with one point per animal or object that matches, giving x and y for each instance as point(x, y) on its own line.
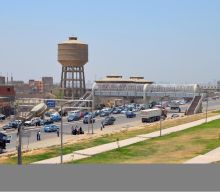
point(2, 80)
point(7, 97)
point(47, 83)
point(218, 86)
point(39, 86)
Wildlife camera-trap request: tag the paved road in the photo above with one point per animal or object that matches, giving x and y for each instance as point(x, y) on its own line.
point(120, 119)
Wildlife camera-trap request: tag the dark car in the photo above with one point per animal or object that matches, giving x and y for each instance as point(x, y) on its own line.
point(47, 122)
point(73, 118)
point(107, 121)
point(14, 124)
point(130, 114)
point(2, 117)
point(88, 119)
point(111, 117)
point(7, 126)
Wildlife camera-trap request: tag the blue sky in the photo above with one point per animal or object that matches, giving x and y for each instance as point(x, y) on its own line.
point(162, 40)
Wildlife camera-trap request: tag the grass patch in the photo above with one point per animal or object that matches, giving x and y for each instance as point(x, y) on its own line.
point(54, 151)
point(173, 148)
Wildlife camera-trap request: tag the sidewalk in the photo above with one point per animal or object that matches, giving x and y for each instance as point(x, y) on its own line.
point(81, 154)
point(209, 157)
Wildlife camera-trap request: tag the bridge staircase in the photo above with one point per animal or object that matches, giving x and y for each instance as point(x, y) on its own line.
point(195, 106)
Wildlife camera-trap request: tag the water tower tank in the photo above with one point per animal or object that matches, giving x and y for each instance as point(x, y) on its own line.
point(73, 55)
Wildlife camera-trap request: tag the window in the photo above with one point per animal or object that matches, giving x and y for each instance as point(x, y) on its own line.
point(8, 89)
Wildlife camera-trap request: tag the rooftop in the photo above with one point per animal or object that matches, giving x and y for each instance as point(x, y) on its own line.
point(120, 79)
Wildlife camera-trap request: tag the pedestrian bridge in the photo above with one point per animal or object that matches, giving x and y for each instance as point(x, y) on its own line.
point(172, 90)
point(146, 90)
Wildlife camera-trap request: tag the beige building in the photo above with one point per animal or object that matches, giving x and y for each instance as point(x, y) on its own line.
point(47, 83)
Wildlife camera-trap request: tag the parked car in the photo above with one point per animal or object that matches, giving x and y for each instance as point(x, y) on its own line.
point(130, 114)
point(108, 121)
point(14, 124)
point(7, 126)
point(73, 118)
point(116, 111)
point(104, 114)
point(111, 117)
point(47, 122)
point(2, 117)
point(28, 123)
point(88, 119)
point(51, 128)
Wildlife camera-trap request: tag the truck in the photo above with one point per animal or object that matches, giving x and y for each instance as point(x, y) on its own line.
point(151, 115)
point(4, 139)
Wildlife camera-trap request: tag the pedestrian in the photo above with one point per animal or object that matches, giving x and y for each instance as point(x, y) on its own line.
point(39, 135)
point(58, 133)
point(102, 126)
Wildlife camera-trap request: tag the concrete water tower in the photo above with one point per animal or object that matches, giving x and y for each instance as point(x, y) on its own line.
point(73, 55)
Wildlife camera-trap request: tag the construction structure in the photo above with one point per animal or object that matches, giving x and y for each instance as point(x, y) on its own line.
point(73, 55)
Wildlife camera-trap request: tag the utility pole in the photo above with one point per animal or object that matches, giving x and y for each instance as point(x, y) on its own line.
point(61, 137)
point(19, 144)
point(207, 102)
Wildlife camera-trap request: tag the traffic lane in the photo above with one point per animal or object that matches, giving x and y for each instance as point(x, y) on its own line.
point(67, 127)
point(97, 125)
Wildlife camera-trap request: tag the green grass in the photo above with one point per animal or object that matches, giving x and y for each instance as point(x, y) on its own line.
point(54, 151)
point(173, 148)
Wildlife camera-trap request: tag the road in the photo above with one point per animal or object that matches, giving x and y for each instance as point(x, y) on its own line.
point(120, 119)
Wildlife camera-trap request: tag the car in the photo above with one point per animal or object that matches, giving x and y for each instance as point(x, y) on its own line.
point(124, 111)
point(88, 119)
point(28, 123)
point(107, 121)
point(104, 114)
point(174, 115)
point(111, 117)
point(98, 112)
point(7, 126)
point(55, 117)
point(50, 128)
point(15, 123)
point(47, 122)
point(2, 117)
point(116, 111)
point(73, 118)
point(130, 114)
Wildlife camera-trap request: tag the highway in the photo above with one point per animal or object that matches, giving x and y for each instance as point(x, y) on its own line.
point(120, 119)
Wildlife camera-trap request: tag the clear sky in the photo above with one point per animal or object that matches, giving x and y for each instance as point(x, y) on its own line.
point(162, 40)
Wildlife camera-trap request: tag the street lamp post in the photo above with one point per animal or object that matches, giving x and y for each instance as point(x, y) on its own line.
point(161, 117)
point(61, 136)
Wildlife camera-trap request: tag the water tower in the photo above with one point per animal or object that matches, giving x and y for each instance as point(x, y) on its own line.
point(73, 55)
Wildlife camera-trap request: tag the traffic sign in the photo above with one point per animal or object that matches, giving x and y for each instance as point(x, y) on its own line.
point(51, 103)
